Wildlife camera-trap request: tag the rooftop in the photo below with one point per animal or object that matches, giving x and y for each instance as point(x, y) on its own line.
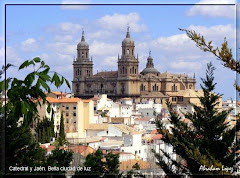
point(106, 74)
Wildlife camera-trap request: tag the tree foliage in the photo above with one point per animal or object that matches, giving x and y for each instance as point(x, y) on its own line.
point(42, 126)
point(207, 140)
point(102, 165)
point(61, 138)
point(224, 54)
point(24, 96)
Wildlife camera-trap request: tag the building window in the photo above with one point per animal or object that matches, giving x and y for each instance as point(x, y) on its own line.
point(180, 99)
point(74, 107)
point(174, 87)
point(67, 114)
point(139, 151)
point(190, 86)
point(128, 51)
point(67, 107)
point(74, 114)
point(82, 54)
point(174, 99)
point(67, 120)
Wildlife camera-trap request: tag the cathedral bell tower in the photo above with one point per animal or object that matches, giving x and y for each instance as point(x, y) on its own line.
point(128, 79)
point(82, 67)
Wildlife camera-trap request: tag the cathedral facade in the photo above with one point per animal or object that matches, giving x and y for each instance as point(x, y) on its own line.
point(127, 81)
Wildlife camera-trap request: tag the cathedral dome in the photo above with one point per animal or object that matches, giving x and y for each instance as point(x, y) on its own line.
point(83, 43)
point(150, 66)
point(128, 40)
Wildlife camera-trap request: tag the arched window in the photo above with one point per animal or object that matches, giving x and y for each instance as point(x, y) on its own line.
point(76, 72)
point(128, 51)
point(80, 73)
point(174, 87)
point(135, 71)
point(82, 54)
point(86, 55)
point(123, 70)
point(132, 52)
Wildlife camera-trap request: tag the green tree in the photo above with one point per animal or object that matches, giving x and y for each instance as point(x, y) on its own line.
point(52, 124)
point(60, 158)
point(61, 138)
point(23, 98)
point(112, 164)
point(106, 166)
point(206, 141)
point(44, 136)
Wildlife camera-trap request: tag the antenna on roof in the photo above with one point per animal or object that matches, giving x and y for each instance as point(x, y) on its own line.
point(149, 52)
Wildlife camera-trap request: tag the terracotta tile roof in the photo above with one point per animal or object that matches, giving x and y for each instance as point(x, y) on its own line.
point(95, 98)
point(107, 74)
point(63, 100)
point(143, 119)
point(154, 132)
point(157, 137)
point(58, 93)
point(97, 127)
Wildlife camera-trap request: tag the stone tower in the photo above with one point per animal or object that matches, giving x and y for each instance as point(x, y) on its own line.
point(128, 80)
point(82, 67)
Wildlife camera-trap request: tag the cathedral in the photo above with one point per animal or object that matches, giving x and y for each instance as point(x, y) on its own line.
point(127, 81)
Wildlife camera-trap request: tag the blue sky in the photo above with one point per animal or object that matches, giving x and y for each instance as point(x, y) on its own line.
point(53, 32)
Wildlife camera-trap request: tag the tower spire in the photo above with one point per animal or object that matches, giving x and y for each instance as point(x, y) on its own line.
point(83, 39)
point(149, 52)
point(128, 33)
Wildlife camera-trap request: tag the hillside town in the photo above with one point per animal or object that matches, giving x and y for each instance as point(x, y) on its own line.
point(121, 127)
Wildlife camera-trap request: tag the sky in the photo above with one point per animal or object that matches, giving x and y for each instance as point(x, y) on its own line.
point(52, 32)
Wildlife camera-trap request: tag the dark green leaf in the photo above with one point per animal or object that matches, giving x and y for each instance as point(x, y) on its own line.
point(37, 59)
point(67, 83)
point(56, 80)
point(44, 85)
point(24, 64)
point(48, 108)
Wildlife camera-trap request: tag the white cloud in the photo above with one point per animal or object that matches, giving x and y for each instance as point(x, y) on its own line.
point(217, 32)
point(65, 28)
point(75, 7)
point(29, 45)
point(110, 61)
point(227, 11)
point(120, 21)
point(186, 65)
point(62, 48)
point(104, 49)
